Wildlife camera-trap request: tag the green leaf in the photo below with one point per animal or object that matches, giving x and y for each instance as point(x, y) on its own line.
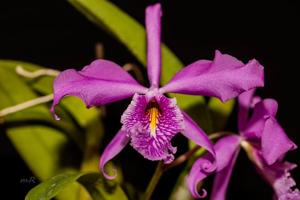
point(93, 183)
point(181, 190)
point(32, 131)
point(43, 85)
point(132, 34)
point(52, 187)
point(40, 140)
point(219, 113)
point(16, 89)
point(38, 144)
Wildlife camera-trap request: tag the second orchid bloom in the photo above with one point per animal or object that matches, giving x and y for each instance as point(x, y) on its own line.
point(265, 143)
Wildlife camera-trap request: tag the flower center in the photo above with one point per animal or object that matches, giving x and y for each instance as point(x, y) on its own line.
point(153, 112)
point(151, 122)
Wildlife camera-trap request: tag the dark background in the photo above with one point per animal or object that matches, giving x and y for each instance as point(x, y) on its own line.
point(52, 33)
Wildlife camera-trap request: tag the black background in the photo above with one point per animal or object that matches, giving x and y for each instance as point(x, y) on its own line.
point(52, 33)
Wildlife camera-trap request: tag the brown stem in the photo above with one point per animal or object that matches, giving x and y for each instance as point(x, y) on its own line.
point(184, 157)
point(99, 51)
point(135, 69)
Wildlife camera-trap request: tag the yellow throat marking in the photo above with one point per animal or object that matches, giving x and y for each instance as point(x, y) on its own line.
point(153, 119)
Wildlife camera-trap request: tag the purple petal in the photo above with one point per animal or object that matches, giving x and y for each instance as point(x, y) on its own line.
point(244, 101)
point(274, 141)
point(107, 70)
point(282, 181)
point(255, 100)
point(278, 176)
point(225, 77)
point(262, 110)
point(97, 84)
point(151, 125)
point(226, 151)
point(113, 148)
point(263, 126)
point(196, 175)
point(153, 15)
point(222, 178)
point(193, 132)
point(206, 164)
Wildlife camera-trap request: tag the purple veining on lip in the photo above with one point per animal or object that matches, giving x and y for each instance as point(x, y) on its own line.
point(136, 119)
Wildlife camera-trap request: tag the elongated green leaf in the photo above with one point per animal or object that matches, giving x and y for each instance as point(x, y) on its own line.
point(132, 34)
point(16, 90)
point(92, 182)
point(49, 151)
point(52, 187)
point(39, 145)
point(43, 85)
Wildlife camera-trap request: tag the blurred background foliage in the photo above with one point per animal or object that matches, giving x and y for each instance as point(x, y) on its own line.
point(69, 149)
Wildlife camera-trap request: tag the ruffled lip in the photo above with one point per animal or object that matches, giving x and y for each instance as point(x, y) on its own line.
point(138, 122)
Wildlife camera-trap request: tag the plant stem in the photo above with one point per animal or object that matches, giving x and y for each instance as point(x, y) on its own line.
point(99, 50)
point(25, 105)
point(184, 157)
point(135, 69)
point(181, 159)
point(154, 180)
point(35, 74)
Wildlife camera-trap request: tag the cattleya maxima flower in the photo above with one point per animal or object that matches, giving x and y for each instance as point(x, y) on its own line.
point(266, 144)
point(152, 119)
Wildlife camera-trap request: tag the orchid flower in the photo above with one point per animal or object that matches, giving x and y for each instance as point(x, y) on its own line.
point(265, 143)
point(152, 119)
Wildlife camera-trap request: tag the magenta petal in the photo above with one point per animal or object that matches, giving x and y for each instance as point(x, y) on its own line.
point(226, 151)
point(225, 78)
point(283, 183)
point(193, 132)
point(222, 177)
point(153, 15)
point(113, 148)
point(97, 84)
point(274, 141)
point(196, 175)
point(278, 176)
point(244, 100)
point(256, 124)
point(107, 70)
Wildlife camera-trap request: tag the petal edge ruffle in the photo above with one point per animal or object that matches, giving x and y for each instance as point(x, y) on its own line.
point(100, 83)
point(274, 142)
point(226, 149)
point(225, 78)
